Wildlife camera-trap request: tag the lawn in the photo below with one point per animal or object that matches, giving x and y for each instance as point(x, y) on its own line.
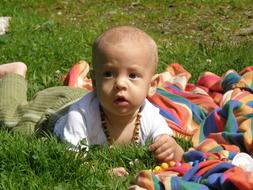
point(51, 35)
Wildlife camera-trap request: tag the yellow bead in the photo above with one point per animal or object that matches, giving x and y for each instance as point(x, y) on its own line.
point(157, 169)
point(164, 166)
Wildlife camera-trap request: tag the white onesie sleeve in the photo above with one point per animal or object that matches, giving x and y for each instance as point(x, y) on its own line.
point(153, 123)
point(71, 128)
point(81, 122)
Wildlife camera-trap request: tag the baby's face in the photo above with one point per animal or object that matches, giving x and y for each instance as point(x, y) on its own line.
point(123, 75)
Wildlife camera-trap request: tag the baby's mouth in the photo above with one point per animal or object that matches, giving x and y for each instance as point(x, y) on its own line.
point(121, 101)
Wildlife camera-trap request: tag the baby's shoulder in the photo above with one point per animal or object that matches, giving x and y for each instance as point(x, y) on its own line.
point(149, 108)
point(88, 100)
point(150, 114)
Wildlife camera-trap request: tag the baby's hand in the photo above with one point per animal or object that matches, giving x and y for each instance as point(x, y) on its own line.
point(165, 148)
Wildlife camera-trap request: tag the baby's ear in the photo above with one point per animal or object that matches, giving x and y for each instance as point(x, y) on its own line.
point(153, 85)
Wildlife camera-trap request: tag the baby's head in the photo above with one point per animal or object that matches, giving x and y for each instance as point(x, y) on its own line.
point(125, 37)
point(124, 61)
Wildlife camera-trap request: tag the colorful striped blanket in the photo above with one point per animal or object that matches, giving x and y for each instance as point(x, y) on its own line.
point(216, 113)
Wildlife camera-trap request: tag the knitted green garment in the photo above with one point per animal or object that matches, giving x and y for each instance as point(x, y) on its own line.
point(19, 115)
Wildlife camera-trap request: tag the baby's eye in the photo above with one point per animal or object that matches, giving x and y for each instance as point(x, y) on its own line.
point(132, 76)
point(107, 74)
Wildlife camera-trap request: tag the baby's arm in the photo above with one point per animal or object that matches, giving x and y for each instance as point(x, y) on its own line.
point(71, 128)
point(165, 148)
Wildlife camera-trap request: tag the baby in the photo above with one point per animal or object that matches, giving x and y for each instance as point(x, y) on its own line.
point(124, 64)
point(117, 111)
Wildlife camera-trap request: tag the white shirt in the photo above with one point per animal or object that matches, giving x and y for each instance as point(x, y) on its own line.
point(83, 121)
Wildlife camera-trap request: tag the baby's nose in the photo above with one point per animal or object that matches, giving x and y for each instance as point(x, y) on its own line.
point(120, 83)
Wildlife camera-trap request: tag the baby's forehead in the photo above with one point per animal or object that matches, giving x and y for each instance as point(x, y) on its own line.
point(128, 56)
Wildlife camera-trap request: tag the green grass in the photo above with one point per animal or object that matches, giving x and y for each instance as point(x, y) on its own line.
point(51, 35)
point(31, 163)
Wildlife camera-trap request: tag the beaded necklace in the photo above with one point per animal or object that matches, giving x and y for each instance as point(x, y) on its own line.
point(135, 137)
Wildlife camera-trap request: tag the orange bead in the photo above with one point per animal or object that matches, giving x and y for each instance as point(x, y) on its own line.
point(172, 163)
